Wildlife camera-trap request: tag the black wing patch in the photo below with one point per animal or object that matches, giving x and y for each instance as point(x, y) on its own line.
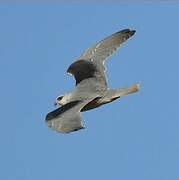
point(60, 110)
point(81, 70)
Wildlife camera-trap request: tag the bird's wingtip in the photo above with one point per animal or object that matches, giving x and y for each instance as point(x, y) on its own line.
point(132, 32)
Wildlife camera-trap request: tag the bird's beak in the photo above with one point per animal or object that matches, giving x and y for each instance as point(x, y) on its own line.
point(55, 103)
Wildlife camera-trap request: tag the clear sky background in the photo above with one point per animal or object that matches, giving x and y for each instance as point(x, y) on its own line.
point(134, 138)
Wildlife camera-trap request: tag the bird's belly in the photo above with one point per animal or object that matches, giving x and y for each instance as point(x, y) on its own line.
point(92, 85)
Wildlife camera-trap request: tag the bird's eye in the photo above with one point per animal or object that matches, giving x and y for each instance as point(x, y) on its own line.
point(60, 98)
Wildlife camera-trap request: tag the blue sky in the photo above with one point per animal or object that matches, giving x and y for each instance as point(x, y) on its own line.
point(136, 137)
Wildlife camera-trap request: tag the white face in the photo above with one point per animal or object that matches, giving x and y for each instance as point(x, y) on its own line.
point(63, 99)
point(59, 100)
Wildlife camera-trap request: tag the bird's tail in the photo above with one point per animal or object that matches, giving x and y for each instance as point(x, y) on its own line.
point(113, 94)
point(127, 90)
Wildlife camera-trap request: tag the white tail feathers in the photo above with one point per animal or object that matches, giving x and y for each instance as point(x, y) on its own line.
point(128, 90)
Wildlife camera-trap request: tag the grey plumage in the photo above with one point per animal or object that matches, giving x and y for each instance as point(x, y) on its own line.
point(91, 85)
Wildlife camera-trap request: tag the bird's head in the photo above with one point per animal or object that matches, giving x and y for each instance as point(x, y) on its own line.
point(59, 101)
point(62, 99)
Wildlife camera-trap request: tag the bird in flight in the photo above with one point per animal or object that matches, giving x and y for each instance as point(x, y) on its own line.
point(91, 89)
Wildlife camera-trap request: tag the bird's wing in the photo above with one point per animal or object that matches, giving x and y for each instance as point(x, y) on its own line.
point(67, 118)
point(106, 47)
point(92, 60)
